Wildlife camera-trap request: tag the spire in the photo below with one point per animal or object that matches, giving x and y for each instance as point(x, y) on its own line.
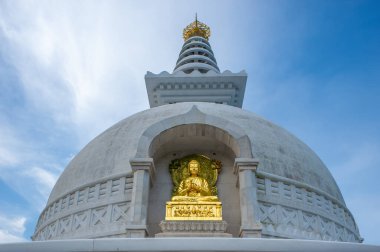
point(196, 53)
point(196, 76)
point(196, 28)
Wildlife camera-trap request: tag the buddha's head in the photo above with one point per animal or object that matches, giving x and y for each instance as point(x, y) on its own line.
point(194, 167)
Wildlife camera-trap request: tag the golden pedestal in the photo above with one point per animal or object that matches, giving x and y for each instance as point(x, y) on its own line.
point(187, 210)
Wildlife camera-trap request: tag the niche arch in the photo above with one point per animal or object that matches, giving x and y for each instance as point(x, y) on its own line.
point(187, 139)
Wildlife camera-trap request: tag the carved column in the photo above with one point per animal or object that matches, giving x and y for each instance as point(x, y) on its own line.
point(143, 174)
point(245, 169)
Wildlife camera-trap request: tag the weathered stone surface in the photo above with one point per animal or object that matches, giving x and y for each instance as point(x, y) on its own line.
point(92, 198)
point(279, 152)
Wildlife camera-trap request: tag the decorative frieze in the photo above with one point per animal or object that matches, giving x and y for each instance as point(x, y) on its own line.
point(281, 221)
point(193, 211)
point(290, 210)
point(71, 213)
point(193, 228)
point(168, 88)
point(106, 217)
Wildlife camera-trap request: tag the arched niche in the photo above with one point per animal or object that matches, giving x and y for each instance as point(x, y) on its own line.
point(183, 140)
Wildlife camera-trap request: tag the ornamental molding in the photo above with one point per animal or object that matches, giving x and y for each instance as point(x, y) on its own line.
point(292, 211)
point(96, 203)
point(193, 226)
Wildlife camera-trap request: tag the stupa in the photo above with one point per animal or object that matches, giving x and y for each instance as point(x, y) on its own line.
point(196, 167)
point(270, 184)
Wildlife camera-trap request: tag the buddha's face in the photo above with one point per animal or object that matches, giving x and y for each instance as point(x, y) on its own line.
point(193, 167)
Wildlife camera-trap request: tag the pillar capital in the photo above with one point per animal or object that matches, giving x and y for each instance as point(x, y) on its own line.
point(245, 164)
point(144, 164)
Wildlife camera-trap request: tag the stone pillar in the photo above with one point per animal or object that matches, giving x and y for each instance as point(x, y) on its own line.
point(143, 174)
point(245, 169)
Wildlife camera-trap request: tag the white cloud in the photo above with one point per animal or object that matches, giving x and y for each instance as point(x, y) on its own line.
point(71, 61)
point(30, 187)
point(12, 228)
point(43, 179)
point(34, 184)
point(9, 147)
point(20, 167)
point(6, 237)
point(7, 157)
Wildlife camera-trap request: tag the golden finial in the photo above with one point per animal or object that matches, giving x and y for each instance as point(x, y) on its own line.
point(196, 28)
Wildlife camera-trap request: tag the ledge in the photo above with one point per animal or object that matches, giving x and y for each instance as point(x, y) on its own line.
point(187, 244)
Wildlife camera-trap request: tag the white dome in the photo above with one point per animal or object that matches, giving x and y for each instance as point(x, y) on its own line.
point(291, 179)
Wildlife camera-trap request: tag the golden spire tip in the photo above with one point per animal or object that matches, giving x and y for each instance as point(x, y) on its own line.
point(196, 28)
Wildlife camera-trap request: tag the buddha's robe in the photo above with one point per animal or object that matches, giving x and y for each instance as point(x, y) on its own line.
point(194, 189)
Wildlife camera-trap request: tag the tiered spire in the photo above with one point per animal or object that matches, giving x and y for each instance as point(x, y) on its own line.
point(196, 53)
point(196, 76)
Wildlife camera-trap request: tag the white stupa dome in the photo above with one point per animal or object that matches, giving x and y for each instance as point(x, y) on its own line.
point(296, 194)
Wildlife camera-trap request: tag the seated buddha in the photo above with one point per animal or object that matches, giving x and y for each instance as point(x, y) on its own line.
point(194, 188)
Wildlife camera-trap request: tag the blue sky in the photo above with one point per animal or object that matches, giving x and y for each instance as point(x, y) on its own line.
point(71, 69)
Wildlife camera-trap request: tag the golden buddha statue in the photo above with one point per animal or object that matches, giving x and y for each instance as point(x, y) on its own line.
point(194, 188)
point(194, 193)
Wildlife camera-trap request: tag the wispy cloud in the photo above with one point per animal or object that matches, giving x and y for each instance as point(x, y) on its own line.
point(8, 147)
point(12, 228)
point(43, 179)
point(7, 157)
point(19, 170)
point(70, 61)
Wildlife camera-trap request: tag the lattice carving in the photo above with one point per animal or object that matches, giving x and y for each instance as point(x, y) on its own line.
point(327, 229)
point(270, 190)
point(283, 221)
point(50, 230)
point(80, 220)
point(119, 212)
point(98, 216)
point(64, 225)
point(288, 219)
point(77, 199)
point(268, 214)
point(339, 233)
